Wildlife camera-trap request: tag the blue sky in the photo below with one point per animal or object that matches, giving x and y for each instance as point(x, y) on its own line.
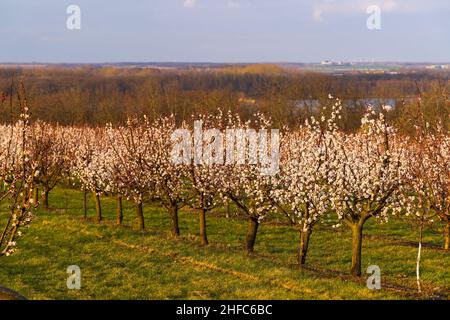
point(224, 31)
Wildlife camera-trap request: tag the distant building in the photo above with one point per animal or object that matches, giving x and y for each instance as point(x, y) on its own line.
point(331, 63)
point(437, 66)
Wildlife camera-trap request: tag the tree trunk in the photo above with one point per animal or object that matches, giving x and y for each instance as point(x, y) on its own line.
point(36, 195)
point(252, 229)
point(203, 236)
point(174, 218)
point(46, 192)
point(85, 204)
point(119, 210)
point(447, 236)
point(140, 216)
point(98, 207)
point(303, 249)
point(357, 234)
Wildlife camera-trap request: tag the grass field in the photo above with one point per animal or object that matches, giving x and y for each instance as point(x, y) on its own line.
point(120, 263)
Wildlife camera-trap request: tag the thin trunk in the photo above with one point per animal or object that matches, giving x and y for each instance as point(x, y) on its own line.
point(174, 218)
point(203, 236)
point(85, 204)
point(5, 230)
point(98, 207)
point(447, 236)
point(13, 232)
point(357, 235)
point(119, 210)
point(419, 251)
point(36, 195)
point(46, 192)
point(140, 216)
point(228, 210)
point(303, 249)
point(252, 229)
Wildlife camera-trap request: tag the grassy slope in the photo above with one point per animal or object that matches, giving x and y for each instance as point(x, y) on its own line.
point(119, 263)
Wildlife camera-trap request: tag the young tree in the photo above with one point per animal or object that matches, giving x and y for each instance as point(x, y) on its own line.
point(368, 171)
point(16, 175)
point(306, 164)
point(427, 194)
point(204, 168)
point(168, 175)
point(250, 192)
point(132, 163)
point(88, 163)
point(436, 175)
point(48, 147)
point(251, 171)
point(115, 171)
point(413, 200)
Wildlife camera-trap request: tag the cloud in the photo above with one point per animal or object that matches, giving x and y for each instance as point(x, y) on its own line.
point(189, 3)
point(233, 5)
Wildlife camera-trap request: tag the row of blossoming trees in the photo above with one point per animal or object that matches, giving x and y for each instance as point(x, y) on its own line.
point(373, 173)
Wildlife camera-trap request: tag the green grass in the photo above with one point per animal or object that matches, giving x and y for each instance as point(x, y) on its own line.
point(120, 263)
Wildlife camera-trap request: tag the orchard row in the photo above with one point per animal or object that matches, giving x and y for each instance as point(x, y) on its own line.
point(373, 173)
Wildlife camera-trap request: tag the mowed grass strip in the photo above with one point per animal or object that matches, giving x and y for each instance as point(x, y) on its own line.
point(120, 263)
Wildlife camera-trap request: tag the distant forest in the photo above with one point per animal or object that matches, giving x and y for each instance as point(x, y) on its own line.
point(93, 96)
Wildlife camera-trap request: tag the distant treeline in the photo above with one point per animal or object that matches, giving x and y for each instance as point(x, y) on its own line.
point(93, 96)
